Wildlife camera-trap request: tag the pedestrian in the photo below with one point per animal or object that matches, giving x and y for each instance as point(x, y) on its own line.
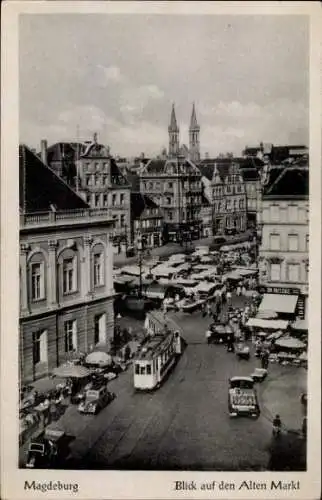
point(277, 425)
point(204, 311)
point(244, 290)
point(208, 308)
point(228, 297)
point(238, 290)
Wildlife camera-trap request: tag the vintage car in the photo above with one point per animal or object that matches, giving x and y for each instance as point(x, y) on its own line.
point(242, 351)
point(48, 450)
point(220, 333)
point(259, 374)
point(95, 400)
point(242, 397)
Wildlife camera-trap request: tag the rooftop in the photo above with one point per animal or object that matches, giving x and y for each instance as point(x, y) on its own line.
point(40, 189)
point(287, 181)
point(139, 203)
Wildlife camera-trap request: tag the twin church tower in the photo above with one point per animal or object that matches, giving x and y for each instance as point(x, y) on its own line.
point(194, 132)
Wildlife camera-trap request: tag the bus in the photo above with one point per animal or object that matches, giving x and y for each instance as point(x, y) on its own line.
point(157, 356)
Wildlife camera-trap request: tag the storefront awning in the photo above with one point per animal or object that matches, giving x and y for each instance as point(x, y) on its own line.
point(278, 303)
point(300, 324)
point(269, 324)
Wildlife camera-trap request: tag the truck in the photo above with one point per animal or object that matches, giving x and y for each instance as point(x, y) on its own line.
point(242, 397)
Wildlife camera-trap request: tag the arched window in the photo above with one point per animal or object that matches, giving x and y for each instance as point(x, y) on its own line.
point(68, 263)
point(98, 265)
point(37, 277)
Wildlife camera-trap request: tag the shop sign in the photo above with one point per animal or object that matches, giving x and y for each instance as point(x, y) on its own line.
point(279, 290)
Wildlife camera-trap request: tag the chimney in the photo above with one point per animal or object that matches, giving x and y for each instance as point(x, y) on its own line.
point(43, 151)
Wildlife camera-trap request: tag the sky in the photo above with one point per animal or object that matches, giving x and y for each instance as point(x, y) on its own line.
point(118, 75)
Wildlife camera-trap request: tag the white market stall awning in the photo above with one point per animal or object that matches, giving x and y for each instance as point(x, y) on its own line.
point(278, 303)
point(99, 358)
point(290, 343)
point(270, 324)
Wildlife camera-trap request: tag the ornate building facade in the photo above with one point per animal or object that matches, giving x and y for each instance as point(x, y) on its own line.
point(66, 262)
point(102, 185)
point(224, 187)
point(174, 184)
point(284, 222)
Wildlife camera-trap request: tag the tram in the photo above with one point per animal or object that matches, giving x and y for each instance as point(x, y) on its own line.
point(155, 359)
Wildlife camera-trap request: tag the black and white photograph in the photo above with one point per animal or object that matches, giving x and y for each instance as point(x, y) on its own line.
point(164, 175)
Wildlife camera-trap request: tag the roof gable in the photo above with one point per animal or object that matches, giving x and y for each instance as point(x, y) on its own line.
point(40, 187)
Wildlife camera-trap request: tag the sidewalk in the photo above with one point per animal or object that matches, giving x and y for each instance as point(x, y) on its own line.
point(281, 394)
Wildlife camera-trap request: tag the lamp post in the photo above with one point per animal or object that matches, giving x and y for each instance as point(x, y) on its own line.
point(140, 247)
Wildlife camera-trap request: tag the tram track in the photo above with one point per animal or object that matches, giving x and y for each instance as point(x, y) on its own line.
point(164, 390)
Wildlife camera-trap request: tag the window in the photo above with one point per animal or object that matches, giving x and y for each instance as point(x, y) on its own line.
point(122, 220)
point(97, 180)
point(292, 213)
point(275, 213)
point(137, 369)
point(170, 185)
point(100, 328)
point(170, 215)
point(122, 199)
point(157, 185)
point(98, 269)
point(37, 281)
point(293, 242)
point(275, 272)
point(70, 335)
point(69, 275)
point(113, 199)
point(40, 348)
point(105, 200)
point(283, 215)
point(307, 242)
point(274, 242)
point(148, 369)
point(88, 198)
point(302, 215)
point(235, 205)
point(106, 180)
point(97, 200)
point(168, 200)
point(293, 272)
point(241, 204)
point(265, 214)
point(88, 180)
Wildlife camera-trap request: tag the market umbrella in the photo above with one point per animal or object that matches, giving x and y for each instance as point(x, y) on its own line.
point(42, 386)
point(290, 343)
point(98, 358)
point(69, 370)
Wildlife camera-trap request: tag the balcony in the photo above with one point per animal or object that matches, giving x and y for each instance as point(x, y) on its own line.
point(63, 217)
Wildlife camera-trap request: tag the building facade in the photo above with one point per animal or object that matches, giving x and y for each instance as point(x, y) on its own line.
point(284, 223)
point(206, 214)
point(66, 263)
point(102, 185)
point(147, 221)
point(174, 185)
point(225, 189)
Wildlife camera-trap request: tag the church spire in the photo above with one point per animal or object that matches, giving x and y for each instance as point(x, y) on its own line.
point(173, 130)
point(193, 120)
point(173, 127)
point(194, 132)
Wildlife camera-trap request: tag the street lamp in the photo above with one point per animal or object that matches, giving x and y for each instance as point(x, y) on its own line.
point(140, 248)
